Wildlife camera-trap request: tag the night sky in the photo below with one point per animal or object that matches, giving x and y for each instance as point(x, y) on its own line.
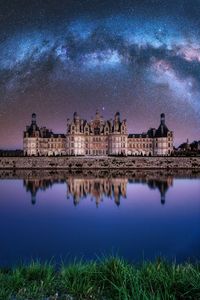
point(140, 57)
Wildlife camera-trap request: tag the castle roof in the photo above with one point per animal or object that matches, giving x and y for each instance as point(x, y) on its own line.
point(32, 128)
point(162, 131)
point(137, 135)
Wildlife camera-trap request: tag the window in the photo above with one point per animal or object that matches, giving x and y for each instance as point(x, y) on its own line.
point(96, 131)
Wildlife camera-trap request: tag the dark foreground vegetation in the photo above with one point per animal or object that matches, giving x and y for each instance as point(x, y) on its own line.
point(110, 278)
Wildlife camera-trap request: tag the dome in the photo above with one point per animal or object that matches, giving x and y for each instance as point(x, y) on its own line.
point(162, 115)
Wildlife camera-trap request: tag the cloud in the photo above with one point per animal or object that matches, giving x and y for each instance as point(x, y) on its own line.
point(161, 72)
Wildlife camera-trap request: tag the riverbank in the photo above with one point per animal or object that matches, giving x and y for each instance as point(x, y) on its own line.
point(110, 278)
point(88, 163)
point(131, 174)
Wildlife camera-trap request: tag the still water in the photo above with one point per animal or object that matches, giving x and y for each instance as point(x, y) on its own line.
point(136, 214)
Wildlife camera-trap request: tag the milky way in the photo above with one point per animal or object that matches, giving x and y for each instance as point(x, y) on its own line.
point(139, 57)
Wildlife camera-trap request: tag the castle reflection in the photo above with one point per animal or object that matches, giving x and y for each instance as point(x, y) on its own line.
point(80, 187)
point(35, 185)
point(97, 189)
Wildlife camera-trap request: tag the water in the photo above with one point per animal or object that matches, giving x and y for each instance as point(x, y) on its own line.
point(61, 215)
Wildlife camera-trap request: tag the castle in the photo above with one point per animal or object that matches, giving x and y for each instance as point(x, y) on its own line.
point(98, 137)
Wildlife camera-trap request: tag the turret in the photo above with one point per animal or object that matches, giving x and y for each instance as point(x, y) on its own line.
point(117, 116)
point(68, 124)
point(97, 117)
point(162, 128)
point(162, 119)
point(76, 117)
point(116, 122)
point(34, 119)
point(33, 127)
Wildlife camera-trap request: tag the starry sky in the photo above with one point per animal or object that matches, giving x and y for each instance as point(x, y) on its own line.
point(138, 57)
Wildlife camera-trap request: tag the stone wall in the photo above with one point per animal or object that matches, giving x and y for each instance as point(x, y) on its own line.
point(99, 163)
point(64, 174)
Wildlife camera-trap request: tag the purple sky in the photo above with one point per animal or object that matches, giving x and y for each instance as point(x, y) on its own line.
point(141, 58)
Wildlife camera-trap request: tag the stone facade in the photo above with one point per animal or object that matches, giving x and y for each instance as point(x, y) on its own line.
point(98, 137)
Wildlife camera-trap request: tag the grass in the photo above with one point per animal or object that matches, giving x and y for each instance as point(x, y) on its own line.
point(105, 279)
